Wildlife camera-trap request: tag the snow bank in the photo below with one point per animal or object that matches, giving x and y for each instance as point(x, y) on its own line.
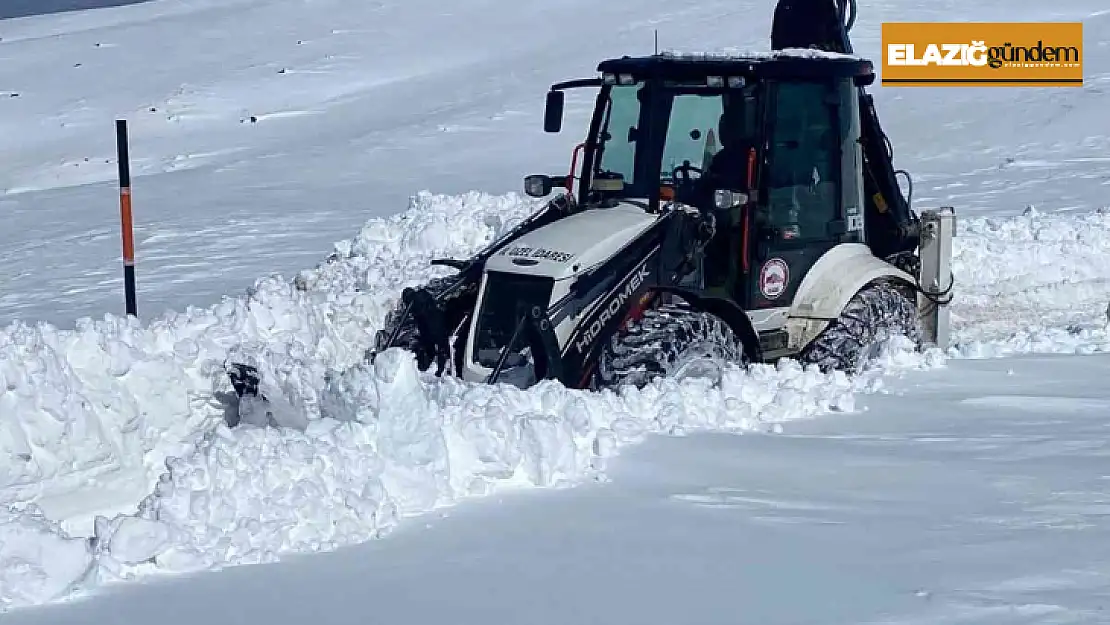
point(1031, 283)
point(115, 394)
point(38, 560)
point(85, 409)
point(115, 399)
point(89, 416)
point(393, 442)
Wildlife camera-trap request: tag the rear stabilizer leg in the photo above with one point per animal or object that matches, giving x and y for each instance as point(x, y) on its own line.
point(936, 280)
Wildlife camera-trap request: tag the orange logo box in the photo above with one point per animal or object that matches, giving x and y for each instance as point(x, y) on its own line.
point(1016, 54)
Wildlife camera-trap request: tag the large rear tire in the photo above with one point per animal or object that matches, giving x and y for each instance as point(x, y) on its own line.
point(874, 315)
point(668, 341)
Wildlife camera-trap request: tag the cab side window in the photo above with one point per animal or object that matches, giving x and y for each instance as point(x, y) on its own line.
point(692, 133)
point(803, 187)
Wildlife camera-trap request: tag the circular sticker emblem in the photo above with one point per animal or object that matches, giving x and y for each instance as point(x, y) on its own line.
point(773, 278)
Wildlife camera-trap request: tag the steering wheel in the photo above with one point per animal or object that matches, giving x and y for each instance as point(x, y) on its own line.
point(686, 168)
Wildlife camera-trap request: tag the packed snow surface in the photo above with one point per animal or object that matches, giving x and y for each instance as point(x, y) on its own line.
point(254, 148)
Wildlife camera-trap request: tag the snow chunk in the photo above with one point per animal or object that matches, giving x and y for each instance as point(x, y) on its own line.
point(39, 562)
point(132, 540)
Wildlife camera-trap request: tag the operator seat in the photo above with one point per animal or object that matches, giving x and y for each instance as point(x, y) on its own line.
point(727, 170)
point(729, 167)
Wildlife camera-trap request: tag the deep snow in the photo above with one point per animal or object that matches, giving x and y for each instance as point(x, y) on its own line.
point(124, 420)
point(378, 442)
point(139, 410)
point(975, 493)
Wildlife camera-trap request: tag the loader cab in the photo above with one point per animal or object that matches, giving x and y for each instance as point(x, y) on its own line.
point(768, 145)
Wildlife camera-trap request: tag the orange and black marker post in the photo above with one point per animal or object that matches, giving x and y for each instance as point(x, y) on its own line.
point(125, 217)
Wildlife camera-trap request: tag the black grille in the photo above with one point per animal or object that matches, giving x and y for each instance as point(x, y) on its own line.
point(507, 297)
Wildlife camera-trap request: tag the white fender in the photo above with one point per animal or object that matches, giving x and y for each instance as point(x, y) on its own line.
point(825, 290)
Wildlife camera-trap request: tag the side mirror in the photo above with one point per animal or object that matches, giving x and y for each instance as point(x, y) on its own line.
point(553, 111)
point(539, 185)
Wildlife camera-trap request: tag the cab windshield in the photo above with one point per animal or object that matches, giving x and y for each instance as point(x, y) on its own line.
point(689, 129)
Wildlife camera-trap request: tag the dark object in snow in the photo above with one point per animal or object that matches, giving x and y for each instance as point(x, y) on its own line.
point(244, 379)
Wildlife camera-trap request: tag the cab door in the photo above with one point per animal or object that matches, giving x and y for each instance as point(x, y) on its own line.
point(797, 216)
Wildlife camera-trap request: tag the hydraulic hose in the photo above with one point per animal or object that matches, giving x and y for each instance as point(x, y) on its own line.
point(847, 12)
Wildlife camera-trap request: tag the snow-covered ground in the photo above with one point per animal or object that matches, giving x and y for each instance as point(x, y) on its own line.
point(972, 494)
point(359, 105)
point(93, 416)
point(113, 429)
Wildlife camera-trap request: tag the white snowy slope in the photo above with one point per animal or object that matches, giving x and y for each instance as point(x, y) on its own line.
point(114, 460)
point(107, 415)
point(971, 494)
point(358, 105)
point(361, 104)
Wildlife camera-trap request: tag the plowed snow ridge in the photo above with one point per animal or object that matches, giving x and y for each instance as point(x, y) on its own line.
point(137, 410)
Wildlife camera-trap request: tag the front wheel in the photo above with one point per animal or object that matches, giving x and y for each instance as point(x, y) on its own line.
point(671, 341)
